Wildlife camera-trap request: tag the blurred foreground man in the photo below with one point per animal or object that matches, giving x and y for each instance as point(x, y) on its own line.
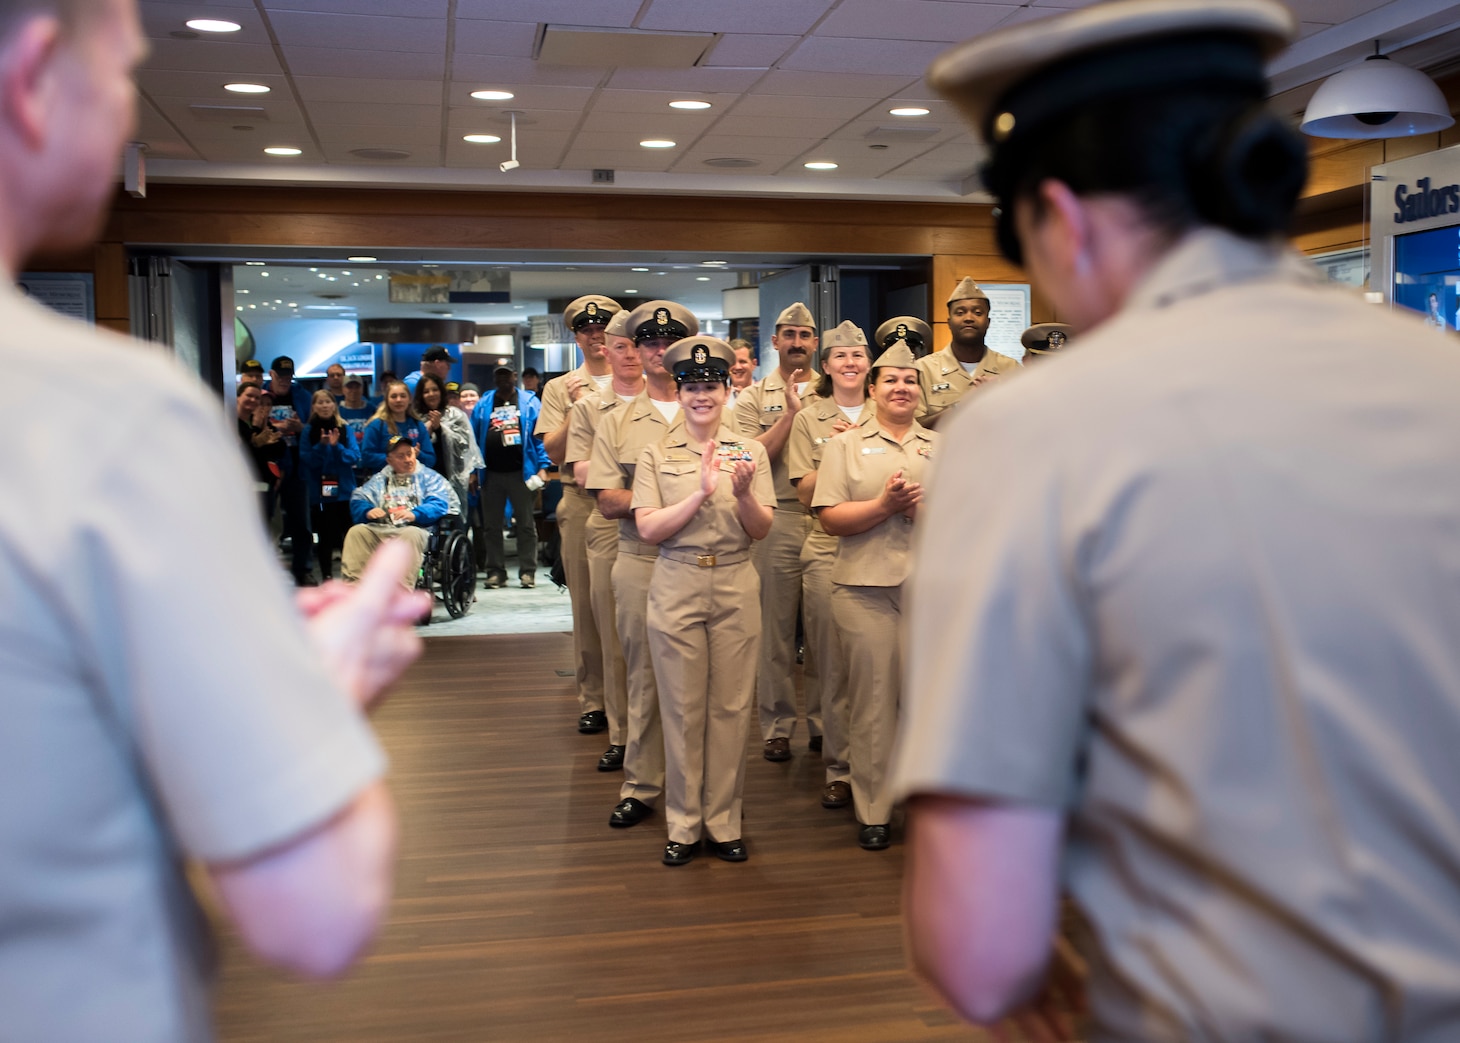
point(133, 738)
point(1203, 654)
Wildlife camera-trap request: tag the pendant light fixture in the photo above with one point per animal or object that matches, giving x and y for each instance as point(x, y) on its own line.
point(1379, 98)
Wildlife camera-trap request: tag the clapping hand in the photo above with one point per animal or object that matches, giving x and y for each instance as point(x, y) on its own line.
point(899, 495)
point(741, 479)
point(709, 469)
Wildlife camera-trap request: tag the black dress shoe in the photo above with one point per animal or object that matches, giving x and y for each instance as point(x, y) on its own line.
point(777, 749)
point(629, 812)
point(612, 759)
point(592, 722)
point(731, 850)
point(874, 838)
point(814, 744)
point(680, 854)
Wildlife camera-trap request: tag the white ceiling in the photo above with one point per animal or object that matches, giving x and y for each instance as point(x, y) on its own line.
point(789, 81)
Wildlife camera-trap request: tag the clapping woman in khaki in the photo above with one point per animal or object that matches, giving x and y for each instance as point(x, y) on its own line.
point(868, 492)
point(702, 495)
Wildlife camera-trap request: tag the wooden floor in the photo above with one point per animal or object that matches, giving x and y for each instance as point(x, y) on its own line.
point(520, 915)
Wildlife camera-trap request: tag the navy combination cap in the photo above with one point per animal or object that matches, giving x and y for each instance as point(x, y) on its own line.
point(590, 310)
point(700, 360)
point(658, 320)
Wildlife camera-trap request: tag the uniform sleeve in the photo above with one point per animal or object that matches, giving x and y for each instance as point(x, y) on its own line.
point(925, 386)
point(244, 737)
point(762, 484)
point(999, 682)
point(798, 448)
point(603, 467)
point(580, 430)
point(554, 407)
point(833, 481)
point(747, 412)
point(646, 482)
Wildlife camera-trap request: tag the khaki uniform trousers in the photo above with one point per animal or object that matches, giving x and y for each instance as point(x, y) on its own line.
point(870, 619)
point(362, 539)
point(573, 510)
point(823, 642)
point(704, 626)
point(778, 562)
point(602, 540)
point(633, 568)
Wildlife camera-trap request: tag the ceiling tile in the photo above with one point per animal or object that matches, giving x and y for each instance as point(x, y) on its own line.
point(382, 65)
point(1332, 11)
point(625, 141)
point(937, 20)
point(424, 156)
point(158, 20)
point(324, 113)
point(361, 32)
point(362, 89)
point(415, 8)
point(467, 120)
point(510, 73)
point(832, 84)
point(509, 39)
point(206, 87)
point(216, 56)
point(775, 105)
point(836, 54)
point(730, 145)
point(700, 79)
point(561, 12)
point(749, 51)
point(372, 136)
point(807, 128)
point(615, 159)
point(728, 16)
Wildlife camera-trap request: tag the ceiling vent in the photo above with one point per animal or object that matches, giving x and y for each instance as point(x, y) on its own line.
point(332, 296)
point(904, 135)
point(731, 162)
point(229, 113)
point(593, 48)
point(380, 153)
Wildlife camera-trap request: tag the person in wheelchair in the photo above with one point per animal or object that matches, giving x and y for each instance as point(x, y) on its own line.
point(402, 501)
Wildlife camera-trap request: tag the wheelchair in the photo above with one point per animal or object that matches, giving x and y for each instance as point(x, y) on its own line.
point(447, 570)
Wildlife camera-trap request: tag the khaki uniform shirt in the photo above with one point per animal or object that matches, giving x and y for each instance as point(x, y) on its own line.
point(584, 420)
point(856, 466)
point(669, 470)
point(617, 445)
point(1217, 621)
point(943, 380)
point(812, 430)
point(150, 714)
point(555, 407)
point(757, 409)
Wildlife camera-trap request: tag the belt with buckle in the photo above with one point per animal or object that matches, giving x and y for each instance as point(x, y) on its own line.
point(705, 561)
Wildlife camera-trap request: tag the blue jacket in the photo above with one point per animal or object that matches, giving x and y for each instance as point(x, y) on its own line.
point(431, 496)
point(293, 445)
point(377, 441)
point(323, 459)
point(534, 456)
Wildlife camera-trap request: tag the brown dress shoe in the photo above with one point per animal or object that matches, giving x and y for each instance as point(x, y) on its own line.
point(836, 795)
point(778, 749)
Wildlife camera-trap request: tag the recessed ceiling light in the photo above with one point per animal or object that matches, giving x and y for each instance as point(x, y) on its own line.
point(247, 88)
point(910, 110)
point(280, 150)
point(702, 278)
point(631, 291)
point(481, 139)
point(314, 269)
point(363, 258)
point(820, 165)
point(689, 105)
point(638, 269)
point(264, 274)
point(493, 95)
point(254, 264)
point(213, 25)
point(656, 143)
point(713, 264)
point(244, 291)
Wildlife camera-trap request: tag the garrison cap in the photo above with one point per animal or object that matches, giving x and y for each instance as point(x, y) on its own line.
point(917, 333)
point(1008, 82)
point(700, 359)
point(1036, 337)
point(618, 326)
point(847, 335)
point(654, 320)
point(897, 356)
point(796, 315)
point(967, 290)
point(592, 309)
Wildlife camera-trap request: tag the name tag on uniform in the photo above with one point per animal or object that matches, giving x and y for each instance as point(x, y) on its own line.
point(820, 441)
point(676, 458)
point(873, 450)
point(942, 387)
point(774, 409)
